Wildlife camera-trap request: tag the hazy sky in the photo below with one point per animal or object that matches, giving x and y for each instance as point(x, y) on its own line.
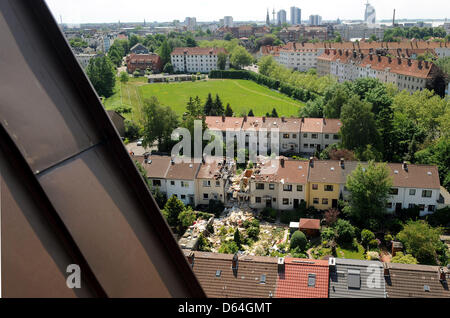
point(84, 11)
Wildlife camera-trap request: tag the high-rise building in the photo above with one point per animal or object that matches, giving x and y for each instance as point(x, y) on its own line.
point(281, 17)
point(190, 23)
point(315, 19)
point(228, 21)
point(296, 16)
point(268, 18)
point(369, 15)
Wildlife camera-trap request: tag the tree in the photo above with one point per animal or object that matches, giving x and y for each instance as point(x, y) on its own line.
point(209, 105)
point(238, 238)
point(102, 75)
point(222, 60)
point(422, 241)
point(124, 77)
point(345, 231)
point(164, 52)
point(240, 57)
point(312, 109)
point(250, 113)
point(228, 111)
point(168, 68)
point(369, 188)
point(358, 125)
point(228, 37)
point(404, 259)
point(298, 240)
point(172, 209)
point(187, 217)
point(336, 96)
point(158, 124)
point(217, 107)
point(331, 216)
point(274, 113)
point(366, 237)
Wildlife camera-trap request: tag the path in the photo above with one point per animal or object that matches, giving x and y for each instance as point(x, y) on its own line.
point(266, 95)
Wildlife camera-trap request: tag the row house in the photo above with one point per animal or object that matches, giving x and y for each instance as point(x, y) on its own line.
point(295, 135)
point(196, 59)
point(278, 183)
point(248, 276)
point(213, 180)
point(144, 62)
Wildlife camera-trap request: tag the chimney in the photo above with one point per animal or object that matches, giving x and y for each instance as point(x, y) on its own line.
point(283, 119)
point(234, 263)
point(409, 62)
point(354, 53)
point(281, 265)
point(282, 162)
point(311, 162)
point(420, 65)
point(443, 274)
point(324, 121)
point(399, 60)
point(386, 270)
point(172, 162)
point(389, 59)
point(332, 263)
point(303, 119)
point(426, 64)
point(405, 166)
point(379, 58)
point(346, 52)
point(342, 163)
point(371, 56)
point(223, 118)
point(264, 119)
point(245, 118)
point(340, 52)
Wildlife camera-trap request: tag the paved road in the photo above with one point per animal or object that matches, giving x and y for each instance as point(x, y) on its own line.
point(138, 150)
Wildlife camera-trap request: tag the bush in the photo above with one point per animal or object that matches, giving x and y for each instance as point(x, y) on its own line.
point(373, 256)
point(269, 214)
point(229, 248)
point(345, 231)
point(328, 234)
point(403, 259)
point(238, 238)
point(373, 243)
point(253, 232)
point(298, 240)
point(366, 237)
point(216, 207)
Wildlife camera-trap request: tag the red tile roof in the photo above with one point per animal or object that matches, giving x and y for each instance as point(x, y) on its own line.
point(224, 123)
point(293, 283)
point(293, 171)
point(310, 224)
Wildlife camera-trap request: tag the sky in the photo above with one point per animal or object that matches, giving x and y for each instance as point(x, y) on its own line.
point(101, 11)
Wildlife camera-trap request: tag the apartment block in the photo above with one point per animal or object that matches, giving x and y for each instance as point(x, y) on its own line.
point(196, 59)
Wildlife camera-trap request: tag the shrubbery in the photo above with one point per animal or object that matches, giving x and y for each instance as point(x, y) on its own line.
point(298, 240)
point(345, 231)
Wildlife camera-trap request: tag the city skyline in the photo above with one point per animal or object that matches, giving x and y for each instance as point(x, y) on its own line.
point(104, 11)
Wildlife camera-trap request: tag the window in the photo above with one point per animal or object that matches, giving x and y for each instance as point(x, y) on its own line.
point(316, 200)
point(271, 186)
point(287, 187)
point(411, 205)
point(285, 201)
point(184, 184)
point(311, 146)
point(412, 191)
point(311, 280)
point(258, 199)
point(305, 135)
point(393, 191)
point(260, 186)
point(305, 145)
point(286, 136)
point(156, 183)
point(335, 137)
point(206, 183)
point(314, 136)
point(183, 197)
point(217, 183)
point(325, 201)
point(389, 205)
point(427, 193)
point(315, 186)
point(299, 188)
point(205, 196)
point(431, 208)
point(354, 278)
point(422, 207)
point(263, 279)
point(172, 183)
point(218, 273)
point(328, 188)
point(327, 136)
point(294, 136)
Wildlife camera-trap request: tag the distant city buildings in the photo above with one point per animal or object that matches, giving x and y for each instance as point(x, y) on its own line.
point(315, 19)
point(369, 15)
point(190, 23)
point(281, 17)
point(143, 62)
point(296, 16)
point(228, 21)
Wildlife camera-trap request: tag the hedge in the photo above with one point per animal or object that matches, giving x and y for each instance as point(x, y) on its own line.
point(300, 94)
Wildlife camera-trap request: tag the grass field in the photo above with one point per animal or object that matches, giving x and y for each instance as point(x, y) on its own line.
point(241, 94)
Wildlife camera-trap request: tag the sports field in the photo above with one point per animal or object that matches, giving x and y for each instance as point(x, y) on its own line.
point(241, 94)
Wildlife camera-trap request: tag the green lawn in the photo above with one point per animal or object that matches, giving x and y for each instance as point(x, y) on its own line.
point(350, 253)
point(241, 94)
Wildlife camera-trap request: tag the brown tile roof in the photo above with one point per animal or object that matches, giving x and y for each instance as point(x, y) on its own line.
point(293, 171)
point(224, 123)
point(321, 125)
point(294, 282)
point(406, 281)
point(143, 58)
point(330, 171)
point(310, 224)
point(417, 176)
point(156, 166)
point(197, 51)
point(210, 168)
point(285, 124)
point(243, 283)
point(182, 171)
point(253, 122)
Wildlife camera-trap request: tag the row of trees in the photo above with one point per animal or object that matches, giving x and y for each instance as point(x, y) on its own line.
point(393, 34)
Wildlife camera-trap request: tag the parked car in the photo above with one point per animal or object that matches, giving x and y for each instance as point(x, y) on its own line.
point(139, 143)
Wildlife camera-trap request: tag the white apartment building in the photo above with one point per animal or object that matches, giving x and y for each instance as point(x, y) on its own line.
point(84, 59)
point(318, 133)
point(196, 59)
